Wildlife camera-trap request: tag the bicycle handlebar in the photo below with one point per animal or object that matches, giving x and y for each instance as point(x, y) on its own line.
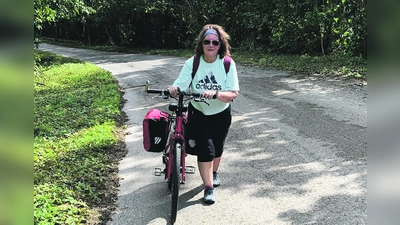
point(167, 94)
point(158, 91)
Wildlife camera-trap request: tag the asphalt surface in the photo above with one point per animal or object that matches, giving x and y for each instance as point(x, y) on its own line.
point(296, 152)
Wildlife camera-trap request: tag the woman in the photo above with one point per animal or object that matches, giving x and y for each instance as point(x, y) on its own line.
point(209, 123)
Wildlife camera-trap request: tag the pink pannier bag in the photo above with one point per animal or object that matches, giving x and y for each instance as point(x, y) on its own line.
point(156, 125)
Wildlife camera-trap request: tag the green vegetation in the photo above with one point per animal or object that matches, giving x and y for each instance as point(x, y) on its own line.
point(320, 66)
point(76, 114)
point(306, 27)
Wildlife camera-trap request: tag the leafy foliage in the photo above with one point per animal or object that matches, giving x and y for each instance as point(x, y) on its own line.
point(76, 106)
point(51, 11)
point(55, 205)
point(290, 27)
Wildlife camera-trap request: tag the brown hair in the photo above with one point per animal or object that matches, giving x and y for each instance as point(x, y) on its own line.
point(223, 38)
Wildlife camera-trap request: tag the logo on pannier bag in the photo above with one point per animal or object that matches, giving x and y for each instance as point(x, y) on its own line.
point(157, 140)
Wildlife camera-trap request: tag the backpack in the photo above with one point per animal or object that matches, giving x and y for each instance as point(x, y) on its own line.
point(196, 63)
point(156, 125)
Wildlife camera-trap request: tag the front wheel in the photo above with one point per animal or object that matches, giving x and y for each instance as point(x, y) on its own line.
point(175, 180)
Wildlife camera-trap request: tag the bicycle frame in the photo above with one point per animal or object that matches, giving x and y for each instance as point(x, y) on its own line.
point(176, 146)
point(177, 135)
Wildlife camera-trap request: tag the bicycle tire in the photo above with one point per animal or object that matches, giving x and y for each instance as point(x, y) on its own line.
point(176, 180)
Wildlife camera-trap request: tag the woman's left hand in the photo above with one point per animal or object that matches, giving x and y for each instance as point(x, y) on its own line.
point(209, 94)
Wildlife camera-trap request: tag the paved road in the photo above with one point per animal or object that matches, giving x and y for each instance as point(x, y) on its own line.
point(296, 152)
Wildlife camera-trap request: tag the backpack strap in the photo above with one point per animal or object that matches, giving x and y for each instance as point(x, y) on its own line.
point(227, 63)
point(196, 63)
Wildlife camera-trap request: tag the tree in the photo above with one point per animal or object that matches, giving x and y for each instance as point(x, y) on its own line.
point(51, 11)
point(313, 27)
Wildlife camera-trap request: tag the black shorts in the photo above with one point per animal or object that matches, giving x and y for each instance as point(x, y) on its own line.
point(207, 134)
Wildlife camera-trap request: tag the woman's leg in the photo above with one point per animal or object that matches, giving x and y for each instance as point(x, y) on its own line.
point(206, 173)
point(207, 176)
point(216, 163)
point(222, 121)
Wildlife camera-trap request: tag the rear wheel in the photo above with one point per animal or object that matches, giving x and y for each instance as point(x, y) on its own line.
point(175, 180)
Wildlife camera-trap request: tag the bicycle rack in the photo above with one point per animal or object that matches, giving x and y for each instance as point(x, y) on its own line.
point(158, 171)
point(189, 169)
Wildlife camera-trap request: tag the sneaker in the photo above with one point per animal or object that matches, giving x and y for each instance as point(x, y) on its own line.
point(216, 180)
point(209, 195)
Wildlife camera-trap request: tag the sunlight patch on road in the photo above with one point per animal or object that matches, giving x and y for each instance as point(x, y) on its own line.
point(246, 141)
point(267, 133)
point(262, 135)
point(291, 81)
point(313, 166)
point(321, 182)
point(334, 185)
point(134, 134)
point(252, 124)
point(147, 108)
point(282, 92)
point(279, 142)
point(268, 119)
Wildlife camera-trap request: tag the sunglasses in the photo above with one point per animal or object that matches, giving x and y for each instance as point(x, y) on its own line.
point(207, 42)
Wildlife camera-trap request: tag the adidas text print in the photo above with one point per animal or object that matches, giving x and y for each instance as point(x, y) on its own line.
point(208, 84)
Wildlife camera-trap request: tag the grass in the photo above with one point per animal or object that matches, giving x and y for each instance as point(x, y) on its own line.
point(318, 66)
point(76, 128)
point(334, 65)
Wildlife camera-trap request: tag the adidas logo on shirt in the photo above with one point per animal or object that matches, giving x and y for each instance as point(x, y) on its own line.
point(208, 83)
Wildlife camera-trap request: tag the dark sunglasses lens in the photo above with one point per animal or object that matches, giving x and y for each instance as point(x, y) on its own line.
point(207, 42)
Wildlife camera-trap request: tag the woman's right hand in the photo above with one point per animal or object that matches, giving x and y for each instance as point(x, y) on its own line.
point(173, 90)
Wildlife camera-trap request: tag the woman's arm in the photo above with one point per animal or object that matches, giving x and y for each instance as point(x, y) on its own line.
point(227, 96)
point(223, 96)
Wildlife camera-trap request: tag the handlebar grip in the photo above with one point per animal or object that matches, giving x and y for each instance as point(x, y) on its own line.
point(155, 91)
point(196, 95)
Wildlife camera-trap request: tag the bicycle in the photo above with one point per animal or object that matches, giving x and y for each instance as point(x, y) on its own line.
point(175, 149)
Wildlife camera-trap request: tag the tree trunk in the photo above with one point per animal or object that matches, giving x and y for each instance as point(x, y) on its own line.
point(88, 34)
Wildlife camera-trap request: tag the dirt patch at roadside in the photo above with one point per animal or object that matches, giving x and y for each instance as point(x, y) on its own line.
point(101, 213)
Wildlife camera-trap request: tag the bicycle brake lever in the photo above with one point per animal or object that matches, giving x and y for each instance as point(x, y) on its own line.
point(201, 100)
point(161, 96)
point(198, 99)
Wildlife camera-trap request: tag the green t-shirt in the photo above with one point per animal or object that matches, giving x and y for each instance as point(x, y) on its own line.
point(209, 76)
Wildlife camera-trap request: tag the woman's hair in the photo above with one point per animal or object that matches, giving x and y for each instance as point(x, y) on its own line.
point(223, 39)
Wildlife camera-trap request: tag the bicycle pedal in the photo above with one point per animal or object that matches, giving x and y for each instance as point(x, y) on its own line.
point(189, 169)
point(158, 171)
